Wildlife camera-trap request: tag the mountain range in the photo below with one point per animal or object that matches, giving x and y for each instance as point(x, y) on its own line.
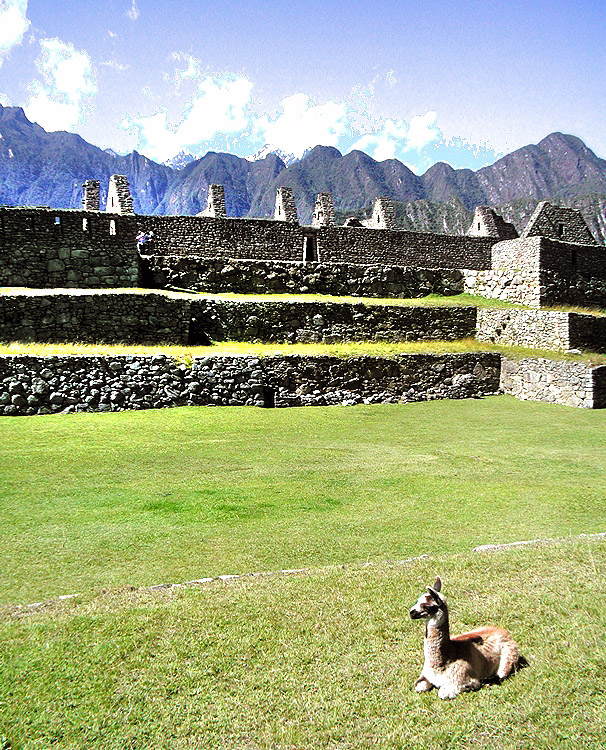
point(41, 168)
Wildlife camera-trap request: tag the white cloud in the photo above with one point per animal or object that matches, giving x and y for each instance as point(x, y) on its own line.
point(115, 65)
point(303, 124)
point(111, 34)
point(384, 143)
point(390, 79)
point(220, 106)
point(191, 71)
point(58, 101)
point(134, 12)
point(13, 24)
point(5, 101)
point(423, 130)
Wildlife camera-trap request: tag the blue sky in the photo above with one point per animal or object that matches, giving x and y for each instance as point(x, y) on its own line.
point(462, 82)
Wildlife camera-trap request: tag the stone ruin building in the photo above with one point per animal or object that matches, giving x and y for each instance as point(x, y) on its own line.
point(555, 261)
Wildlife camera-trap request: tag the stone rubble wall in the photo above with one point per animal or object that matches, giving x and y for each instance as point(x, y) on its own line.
point(208, 237)
point(155, 317)
point(522, 287)
point(326, 322)
point(542, 329)
point(46, 385)
point(403, 248)
point(93, 317)
point(119, 198)
point(555, 382)
point(201, 274)
point(49, 248)
point(558, 222)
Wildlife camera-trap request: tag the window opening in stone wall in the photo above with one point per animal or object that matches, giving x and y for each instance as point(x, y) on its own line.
point(560, 230)
point(29, 224)
point(86, 226)
point(57, 221)
point(112, 227)
point(573, 258)
point(479, 226)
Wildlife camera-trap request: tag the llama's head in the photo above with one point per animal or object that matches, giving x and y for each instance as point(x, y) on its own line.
point(430, 604)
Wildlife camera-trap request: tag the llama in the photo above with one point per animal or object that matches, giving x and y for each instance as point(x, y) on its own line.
point(460, 663)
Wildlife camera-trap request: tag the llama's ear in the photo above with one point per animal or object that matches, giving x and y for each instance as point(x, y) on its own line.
point(438, 584)
point(436, 595)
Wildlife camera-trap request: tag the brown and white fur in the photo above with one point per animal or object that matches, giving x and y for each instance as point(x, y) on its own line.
point(460, 663)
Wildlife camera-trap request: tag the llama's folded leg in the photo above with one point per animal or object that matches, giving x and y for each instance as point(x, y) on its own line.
point(422, 685)
point(509, 658)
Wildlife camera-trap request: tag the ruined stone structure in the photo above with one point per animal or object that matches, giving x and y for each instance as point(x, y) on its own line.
point(324, 211)
point(92, 195)
point(383, 215)
point(555, 261)
point(488, 223)
point(285, 208)
point(215, 203)
point(558, 223)
point(119, 199)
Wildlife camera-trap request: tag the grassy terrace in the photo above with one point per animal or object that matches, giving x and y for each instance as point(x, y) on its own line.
point(350, 349)
point(96, 500)
point(325, 660)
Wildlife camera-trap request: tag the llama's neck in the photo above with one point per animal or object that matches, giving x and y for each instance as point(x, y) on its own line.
point(437, 639)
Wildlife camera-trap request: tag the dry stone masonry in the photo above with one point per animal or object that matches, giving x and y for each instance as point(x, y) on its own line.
point(46, 385)
point(92, 195)
point(324, 211)
point(488, 223)
point(285, 208)
point(215, 203)
point(119, 198)
point(92, 316)
point(555, 381)
point(555, 261)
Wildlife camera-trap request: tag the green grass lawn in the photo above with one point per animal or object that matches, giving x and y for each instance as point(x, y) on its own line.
point(324, 660)
point(91, 501)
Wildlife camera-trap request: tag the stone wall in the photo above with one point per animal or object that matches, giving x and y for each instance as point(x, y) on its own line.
point(201, 274)
point(558, 222)
point(225, 320)
point(539, 272)
point(266, 239)
point(156, 317)
point(417, 249)
point(95, 317)
point(49, 248)
point(542, 329)
point(555, 382)
point(44, 385)
point(208, 237)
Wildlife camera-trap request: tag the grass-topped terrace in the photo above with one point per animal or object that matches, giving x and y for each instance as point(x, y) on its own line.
point(242, 349)
point(323, 660)
point(93, 500)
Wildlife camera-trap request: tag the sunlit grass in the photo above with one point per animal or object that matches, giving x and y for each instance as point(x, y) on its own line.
point(314, 662)
point(243, 349)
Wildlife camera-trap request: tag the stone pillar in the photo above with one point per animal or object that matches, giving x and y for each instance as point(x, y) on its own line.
point(119, 199)
point(324, 211)
point(285, 208)
point(215, 203)
point(383, 214)
point(92, 195)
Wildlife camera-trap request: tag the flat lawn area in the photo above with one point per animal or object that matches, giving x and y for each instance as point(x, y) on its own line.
point(90, 501)
point(324, 660)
